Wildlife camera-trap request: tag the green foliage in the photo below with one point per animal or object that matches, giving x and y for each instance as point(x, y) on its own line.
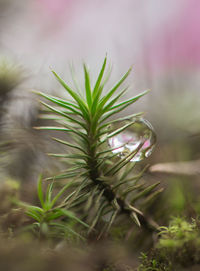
point(10, 76)
point(51, 219)
point(151, 264)
point(103, 184)
point(177, 247)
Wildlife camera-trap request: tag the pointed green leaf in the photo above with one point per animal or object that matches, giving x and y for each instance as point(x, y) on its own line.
point(132, 100)
point(65, 228)
point(128, 118)
point(53, 215)
point(112, 219)
point(78, 99)
point(72, 216)
point(52, 128)
point(148, 201)
point(145, 192)
point(121, 163)
point(77, 191)
point(60, 193)
point(135, 178)
point(60, 102)
point(98, 88)
point(48, 196)
point(69, 144)
point(112, 91)
point(73, 156)
point(135, 218)
point(132, 188)
point(90, 199)
point(98, 82)
point(96, 218)
point(127, 171)
point(33, 215)
point(113, 101)
point(120, 107)
point(35, 209)
point(119, 130)
point(125, 181)
point(87, 87)
point(39, 191)
point(63, 114)
point(132, 208)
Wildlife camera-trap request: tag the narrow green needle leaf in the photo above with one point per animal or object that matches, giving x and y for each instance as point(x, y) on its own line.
point(112, 91)
point(98, 199)
point(129, 117)
point(110, 150)
point(121, 129)
point(96, 101)
point(132, 100)
point(60, 102)
point(80, 200)
point(52, 128)
point(126, 181)
point(90, 199)
point(145, 192)
point(53, 215)
point(73, 94)
point(39, 191)
point(113, 101)
point(132, 188)
point(117, 166)
point(134, 178)
point(56, 98)
point(65, 229)
point(64, 129)
point(98, 82)
point(135, 218)
point(72, 216)
point(87, 87)
point(95, 220)
point(127, 171)
point(48, 195)
point(152, 197)
point(63, 114)
point(34, 209)
point(73, 156)
point(70, 200)
point(49, 117)
point(69, 144)
point(111, 221)
point(120, 107)
point(33, 215)
point(59, 194)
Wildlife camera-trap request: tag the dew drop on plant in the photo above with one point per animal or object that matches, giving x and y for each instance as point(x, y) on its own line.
point(139, 137)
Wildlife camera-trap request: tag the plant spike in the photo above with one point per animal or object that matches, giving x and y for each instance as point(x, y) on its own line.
point(103, 178)
point(87, 87)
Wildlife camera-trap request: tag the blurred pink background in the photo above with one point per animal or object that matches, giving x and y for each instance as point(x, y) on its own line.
point(166, 33)
point(161, 39)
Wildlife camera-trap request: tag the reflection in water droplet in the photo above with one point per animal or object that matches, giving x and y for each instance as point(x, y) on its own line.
point(139, 137)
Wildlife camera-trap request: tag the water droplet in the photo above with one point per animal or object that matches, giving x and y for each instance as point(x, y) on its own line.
point(139, 137)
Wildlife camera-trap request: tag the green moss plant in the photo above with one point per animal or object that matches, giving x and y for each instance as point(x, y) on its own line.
point(178, 247)
point(104, 186)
